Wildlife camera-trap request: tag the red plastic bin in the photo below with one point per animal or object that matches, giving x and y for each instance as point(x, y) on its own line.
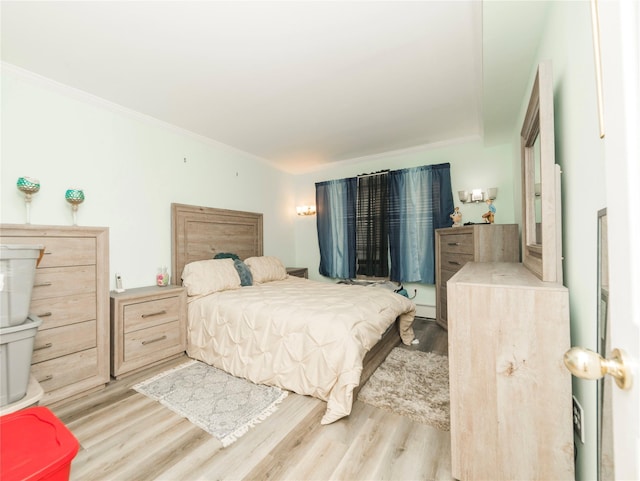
point(35, 446)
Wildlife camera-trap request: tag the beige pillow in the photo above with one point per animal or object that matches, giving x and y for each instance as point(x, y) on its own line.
point(266, 268)
point(208, 276)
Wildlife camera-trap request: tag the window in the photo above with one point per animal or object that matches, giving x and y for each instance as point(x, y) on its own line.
point(381, 220)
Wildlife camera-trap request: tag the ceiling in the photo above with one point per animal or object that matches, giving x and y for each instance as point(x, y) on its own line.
point(297, 83)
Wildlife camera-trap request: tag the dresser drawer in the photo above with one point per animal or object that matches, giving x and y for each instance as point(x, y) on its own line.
point(66, 370)
point(453, 262)
point(145, 342)
point(445, 275)
point(63, 281)
point(61, 251)
point(457, 244)
point(142, 315)
point(63, 311)
point(60, 341)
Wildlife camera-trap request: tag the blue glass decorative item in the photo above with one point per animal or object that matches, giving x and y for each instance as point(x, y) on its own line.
point(75, 197)
point(29, 186)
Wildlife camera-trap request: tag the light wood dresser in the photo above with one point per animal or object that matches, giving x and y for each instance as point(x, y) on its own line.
point(148, 325)
point(71, 296)
point(511, 405)
point(455, 246)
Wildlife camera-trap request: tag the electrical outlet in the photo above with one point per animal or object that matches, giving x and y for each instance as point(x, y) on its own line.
point(578, 420)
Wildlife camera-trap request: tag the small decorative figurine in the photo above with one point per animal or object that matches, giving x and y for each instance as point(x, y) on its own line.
point(456, 217)
point(489, 216)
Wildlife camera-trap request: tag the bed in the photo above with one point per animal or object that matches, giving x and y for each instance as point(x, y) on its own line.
point(313, 338)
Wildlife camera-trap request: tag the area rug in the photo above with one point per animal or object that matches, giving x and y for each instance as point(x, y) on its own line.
point(223, 405)
point(413, 384)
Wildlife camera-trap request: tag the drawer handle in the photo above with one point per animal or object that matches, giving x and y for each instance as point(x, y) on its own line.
point(453, 243)
point(47, 378)
point(455, 263)
point(159, 313)
point(46, 314)
point(161, 338)
point(45, 346)
point(43, 284)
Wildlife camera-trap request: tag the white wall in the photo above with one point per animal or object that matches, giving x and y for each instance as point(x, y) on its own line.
point(567, 42)
point(472, 166)
point(131, 168)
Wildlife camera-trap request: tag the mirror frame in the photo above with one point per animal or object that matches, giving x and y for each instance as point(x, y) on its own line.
point(544, 258)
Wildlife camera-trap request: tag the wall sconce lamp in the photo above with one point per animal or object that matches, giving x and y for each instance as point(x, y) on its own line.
point(477, 195)
point(306, 210)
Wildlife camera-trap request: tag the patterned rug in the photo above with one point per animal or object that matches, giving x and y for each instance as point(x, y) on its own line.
point(413, 384)
point(223, 405)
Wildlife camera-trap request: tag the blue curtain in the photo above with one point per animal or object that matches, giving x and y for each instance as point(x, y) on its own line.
point(420, 201)
point(336, 221)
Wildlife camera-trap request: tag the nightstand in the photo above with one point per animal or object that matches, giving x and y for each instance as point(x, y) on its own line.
point(148, 326)
point(298, 272)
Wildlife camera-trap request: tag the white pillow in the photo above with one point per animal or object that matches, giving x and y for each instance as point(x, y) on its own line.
point(266, 268)
point(208, 276)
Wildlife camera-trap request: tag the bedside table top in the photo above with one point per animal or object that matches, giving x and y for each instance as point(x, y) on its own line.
point(298, 272)
point(145, 291)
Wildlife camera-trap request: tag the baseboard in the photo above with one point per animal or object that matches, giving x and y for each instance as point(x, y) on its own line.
point(423, 310)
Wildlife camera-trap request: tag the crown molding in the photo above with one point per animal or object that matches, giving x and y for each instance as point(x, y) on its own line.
point(96, 101)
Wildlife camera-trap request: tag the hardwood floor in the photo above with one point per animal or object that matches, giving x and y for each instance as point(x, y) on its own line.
point(126, 436)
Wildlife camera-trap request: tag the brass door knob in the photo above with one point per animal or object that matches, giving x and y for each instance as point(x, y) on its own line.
point(586, 364)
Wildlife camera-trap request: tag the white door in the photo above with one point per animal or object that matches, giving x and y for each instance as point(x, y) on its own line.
point(620, 48)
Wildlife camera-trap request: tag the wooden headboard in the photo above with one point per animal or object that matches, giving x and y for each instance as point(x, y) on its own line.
point(199, 233)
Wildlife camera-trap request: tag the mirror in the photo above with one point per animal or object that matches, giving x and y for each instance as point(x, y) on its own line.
point(536, 188)
point(541, 230)
point(605, 384)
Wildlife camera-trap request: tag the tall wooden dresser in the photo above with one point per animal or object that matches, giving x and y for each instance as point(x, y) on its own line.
point(71, 296)
point(455, 246)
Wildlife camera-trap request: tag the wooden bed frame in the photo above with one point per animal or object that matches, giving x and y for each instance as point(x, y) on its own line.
point(199, 233)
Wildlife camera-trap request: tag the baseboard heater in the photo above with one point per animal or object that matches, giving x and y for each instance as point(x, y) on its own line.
point(423, 310)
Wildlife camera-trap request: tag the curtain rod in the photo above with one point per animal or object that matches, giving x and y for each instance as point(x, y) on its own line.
point(386, 171)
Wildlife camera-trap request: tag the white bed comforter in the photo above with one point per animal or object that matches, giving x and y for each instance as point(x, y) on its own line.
point(304, 336)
